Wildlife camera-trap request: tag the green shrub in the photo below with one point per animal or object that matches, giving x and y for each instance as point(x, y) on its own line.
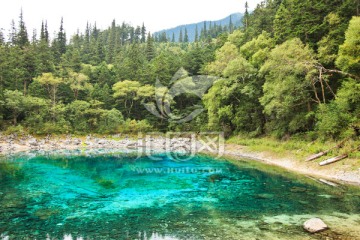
point(133, 126)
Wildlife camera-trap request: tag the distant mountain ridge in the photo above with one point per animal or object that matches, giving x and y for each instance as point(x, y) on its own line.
point(236, 20)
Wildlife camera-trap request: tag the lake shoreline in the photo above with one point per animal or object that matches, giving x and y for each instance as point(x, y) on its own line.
point(339, 172)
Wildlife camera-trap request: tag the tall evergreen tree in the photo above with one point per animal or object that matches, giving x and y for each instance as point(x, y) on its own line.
point(2, 39)
point(137, 34)
point(22, 36)
point(246, 16)
point(196, 33)
point(163, 37)
point(61, 39)
point(42, 31)
point(186, 36)
point(111, 43)
point(204, 32)
point(173, 37)
point(13, 33)
point(231, 25)
point(181, 36)
point(150, 49)
point(34, 37)
point(143, 33)
point(47, 39)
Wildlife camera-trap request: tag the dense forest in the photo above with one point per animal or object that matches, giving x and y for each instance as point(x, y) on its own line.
point(195, 30)
point(292, 68)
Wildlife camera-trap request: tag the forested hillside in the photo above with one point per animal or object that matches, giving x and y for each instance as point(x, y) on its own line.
point(293, 68)
point(192, 32)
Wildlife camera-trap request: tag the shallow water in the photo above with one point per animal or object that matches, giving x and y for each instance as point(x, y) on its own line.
point(116, 196)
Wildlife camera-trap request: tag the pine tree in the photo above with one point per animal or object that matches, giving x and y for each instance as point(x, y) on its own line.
point(95, 32)
point(22, 36)
point(87, 34)
point(231, 25)
point(246, 16)
point(34, 37)
point(42, 31)
point(163, 37)
point(46, 32)
point(150, 49)
point(132, 34)
point(186, 37)
point(143, 33)
point(196, 34)
point(111, 43)
point(13, 33)
point(173, 37)
point(137, 34)
point(181, 36)
point(61, 38)
point(2, 39)
point(204, 32)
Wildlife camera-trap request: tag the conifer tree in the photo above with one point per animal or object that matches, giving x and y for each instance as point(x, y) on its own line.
point(111, 43)
point(34, 37)
point(143, 33)
point(246, 16)
point(150, 49)
point(181, 36)
point(22, 36)
point(137, 34)
point(42, 31)
point(186, 37)
point(231, 25)
point(13, 33)
point(2, 39)
point(196, 34)
point(46, 32)
point(61, 39)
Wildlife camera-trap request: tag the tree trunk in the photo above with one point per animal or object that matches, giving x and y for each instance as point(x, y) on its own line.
point(25, 87)
point(322, 85)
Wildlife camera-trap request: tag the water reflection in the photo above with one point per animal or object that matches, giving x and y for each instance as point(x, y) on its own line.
point(121, 197)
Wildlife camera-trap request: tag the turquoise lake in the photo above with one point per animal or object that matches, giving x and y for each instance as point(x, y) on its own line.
point(119, 196)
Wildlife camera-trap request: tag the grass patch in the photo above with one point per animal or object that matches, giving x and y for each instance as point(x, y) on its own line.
point(296, 146)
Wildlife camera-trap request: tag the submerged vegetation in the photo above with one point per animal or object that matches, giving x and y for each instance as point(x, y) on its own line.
point(292, 69)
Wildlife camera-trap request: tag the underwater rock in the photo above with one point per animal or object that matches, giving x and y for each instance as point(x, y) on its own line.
point(45, 213)
point(215, 177)
point(315, 225)
point(264, 196)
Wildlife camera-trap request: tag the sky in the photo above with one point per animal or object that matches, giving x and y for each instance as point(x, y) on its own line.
point(156, 14)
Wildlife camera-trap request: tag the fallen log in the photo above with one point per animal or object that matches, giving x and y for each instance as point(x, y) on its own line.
point(332, 160)
point(320, 154)
point(338, 158)
point(328, 182)
point(315, 156)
